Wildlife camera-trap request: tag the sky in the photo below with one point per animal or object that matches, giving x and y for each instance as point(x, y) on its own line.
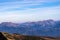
point(29, 10)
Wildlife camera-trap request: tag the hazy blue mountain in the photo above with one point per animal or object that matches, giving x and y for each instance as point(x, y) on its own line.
point(39, 28)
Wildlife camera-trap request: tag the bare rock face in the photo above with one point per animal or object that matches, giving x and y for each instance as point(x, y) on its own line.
point(2, 37)
point(8, 36)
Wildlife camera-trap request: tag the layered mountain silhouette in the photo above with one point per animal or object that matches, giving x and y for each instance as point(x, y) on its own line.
point(38, 28)
point(7, 36)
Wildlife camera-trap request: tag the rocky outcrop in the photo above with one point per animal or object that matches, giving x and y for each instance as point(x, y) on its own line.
point(7, 36)
point(2, 37)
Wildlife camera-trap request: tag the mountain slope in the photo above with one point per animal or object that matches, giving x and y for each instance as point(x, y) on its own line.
point(39, 28)
point(24, 37)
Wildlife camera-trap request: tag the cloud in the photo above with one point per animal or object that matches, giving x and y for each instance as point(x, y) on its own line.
point(42, 0)
point(16, 5)
point(31, 14)
point(29, 10)
point(26, 4)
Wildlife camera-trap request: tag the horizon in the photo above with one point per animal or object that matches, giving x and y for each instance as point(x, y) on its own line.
point(29, 10)
point(28, 21)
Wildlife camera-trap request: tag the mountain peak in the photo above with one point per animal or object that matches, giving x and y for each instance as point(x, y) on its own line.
point(9, 24)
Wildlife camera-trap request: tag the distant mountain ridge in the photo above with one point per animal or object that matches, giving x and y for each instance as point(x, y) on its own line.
point(39, 28)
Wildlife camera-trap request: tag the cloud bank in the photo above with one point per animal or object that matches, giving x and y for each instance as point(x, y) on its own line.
point(29, 10)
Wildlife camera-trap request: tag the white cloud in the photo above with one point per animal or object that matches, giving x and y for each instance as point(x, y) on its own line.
point(28, 14)
point(43, 0)
point(31, 14)
point(23, 4)
point(13, 5)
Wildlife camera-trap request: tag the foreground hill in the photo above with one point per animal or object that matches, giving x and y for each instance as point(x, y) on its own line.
point(7, 36)
point(39, 28)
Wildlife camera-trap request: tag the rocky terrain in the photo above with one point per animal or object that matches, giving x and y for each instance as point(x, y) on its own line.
point(7, 36)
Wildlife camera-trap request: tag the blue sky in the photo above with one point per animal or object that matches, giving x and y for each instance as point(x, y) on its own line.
point(29, 10)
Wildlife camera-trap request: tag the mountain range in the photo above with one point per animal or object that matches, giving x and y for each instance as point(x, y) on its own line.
point(38, 28)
